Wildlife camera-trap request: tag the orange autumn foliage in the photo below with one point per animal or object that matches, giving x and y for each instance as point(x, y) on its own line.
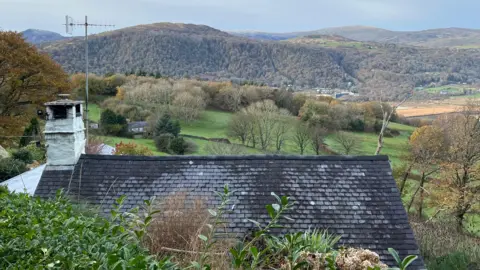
point(131, 149)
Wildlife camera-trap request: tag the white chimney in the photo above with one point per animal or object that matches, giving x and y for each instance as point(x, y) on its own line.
point(64, 132)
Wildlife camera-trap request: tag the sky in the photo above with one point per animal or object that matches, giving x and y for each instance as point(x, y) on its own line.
point(234, 15)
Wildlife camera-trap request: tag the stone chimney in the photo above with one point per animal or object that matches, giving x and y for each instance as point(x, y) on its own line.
point(64, 132)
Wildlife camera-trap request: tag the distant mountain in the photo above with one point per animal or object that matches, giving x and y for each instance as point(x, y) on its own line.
point(36, 36)
point(444, 37)
point(318, 60)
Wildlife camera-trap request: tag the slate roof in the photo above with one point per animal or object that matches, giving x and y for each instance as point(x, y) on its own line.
point(355, 197)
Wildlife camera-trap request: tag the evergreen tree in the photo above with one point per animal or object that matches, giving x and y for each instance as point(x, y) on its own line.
point(166, 125)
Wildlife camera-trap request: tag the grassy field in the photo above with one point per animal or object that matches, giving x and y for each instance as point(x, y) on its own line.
point(212, 124)
point(94, 112)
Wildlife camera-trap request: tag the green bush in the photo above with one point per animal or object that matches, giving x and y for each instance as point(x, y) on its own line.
point(10, 167)
point(24, 155)
point(38, 153)
point(357, 125)
point(178, 146)
point(162, 142)
point(41, 234)
point(457, 260)
point(113, 124)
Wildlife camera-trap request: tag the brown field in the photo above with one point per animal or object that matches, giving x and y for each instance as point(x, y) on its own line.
point(432, 107)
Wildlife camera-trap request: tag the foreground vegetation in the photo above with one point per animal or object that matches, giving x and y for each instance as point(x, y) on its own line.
point(71, 236)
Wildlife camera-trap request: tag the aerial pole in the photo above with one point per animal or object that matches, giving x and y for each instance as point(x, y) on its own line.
point(69, 26)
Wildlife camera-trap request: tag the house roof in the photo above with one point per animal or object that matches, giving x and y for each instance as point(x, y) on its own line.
point(355, 197)
point(26, 182)
point(137, 124)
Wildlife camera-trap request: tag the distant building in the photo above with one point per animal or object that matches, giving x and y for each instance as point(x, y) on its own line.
point(137, 127)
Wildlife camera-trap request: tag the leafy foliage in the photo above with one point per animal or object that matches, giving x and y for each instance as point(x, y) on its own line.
point(166, 125)
point(23, 155)
point(51, 234)
point(113, 124)
point(10, 167)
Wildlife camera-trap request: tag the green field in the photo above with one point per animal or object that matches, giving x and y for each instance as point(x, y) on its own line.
point(212, 124)
point(94, 112)
point(451, 89)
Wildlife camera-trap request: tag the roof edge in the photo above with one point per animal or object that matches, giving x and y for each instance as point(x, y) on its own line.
point(245, 157)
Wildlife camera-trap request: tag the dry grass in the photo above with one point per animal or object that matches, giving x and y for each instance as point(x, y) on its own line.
point(175, 229)
point(426, 109)
point(437, 239)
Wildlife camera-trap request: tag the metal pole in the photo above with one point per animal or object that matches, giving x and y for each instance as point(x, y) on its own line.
point(86, 79)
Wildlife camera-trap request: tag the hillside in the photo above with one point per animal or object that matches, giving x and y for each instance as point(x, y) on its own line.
point(36, 36)
point(443, 37)
point(194, 50)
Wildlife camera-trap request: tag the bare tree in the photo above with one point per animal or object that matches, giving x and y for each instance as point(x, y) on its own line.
point(239, 127)
point(280, 132)
point(94, 146)
point(317, 136)
point(348, 142)
point(301, 137)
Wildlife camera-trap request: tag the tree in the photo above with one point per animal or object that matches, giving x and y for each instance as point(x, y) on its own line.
point(387, 114)
point(301, 136)
point(30, 133)
point(26, 77)
point(348, 142)
point(187, 106)
point(239, 127)
point(317, 137)
point(113, 124)
point(166, 125)
point(426, 145)
point(280, 131)
point(461, 160)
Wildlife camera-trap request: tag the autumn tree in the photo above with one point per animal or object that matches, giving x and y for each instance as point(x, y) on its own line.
point(426, 150)
point(27, 80)
point(131, 149)
point(461, 160)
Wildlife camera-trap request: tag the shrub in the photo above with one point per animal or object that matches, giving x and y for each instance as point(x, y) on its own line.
point(178, 146)
point(65, 239)
point(131, 149)
point(10, 167)
point(113, 124)
point(457, 260)
point(356, 125)
point(162, 142)
point(24, 155)
point(38, 153)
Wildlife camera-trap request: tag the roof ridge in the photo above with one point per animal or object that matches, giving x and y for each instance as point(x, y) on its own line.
point(237, 157)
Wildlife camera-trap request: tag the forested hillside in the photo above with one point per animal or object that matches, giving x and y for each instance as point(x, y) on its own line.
point(193, 50)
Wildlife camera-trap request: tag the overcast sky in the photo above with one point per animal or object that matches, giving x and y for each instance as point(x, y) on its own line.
point(261, 15)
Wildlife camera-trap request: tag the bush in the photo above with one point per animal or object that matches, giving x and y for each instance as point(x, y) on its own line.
point(66, 239)
point(113, 124)
point(23, 155)
point(178, 146)
point(457, 260)
point(162, 142)
point(356, 125)
point(10, 167)
point(38, 153)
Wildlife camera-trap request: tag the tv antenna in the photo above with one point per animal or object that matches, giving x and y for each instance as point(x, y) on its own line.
point(69, 26)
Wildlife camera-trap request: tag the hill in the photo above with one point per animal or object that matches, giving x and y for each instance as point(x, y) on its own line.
point(443, 37)
point(36, 36)
point(314, 61)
